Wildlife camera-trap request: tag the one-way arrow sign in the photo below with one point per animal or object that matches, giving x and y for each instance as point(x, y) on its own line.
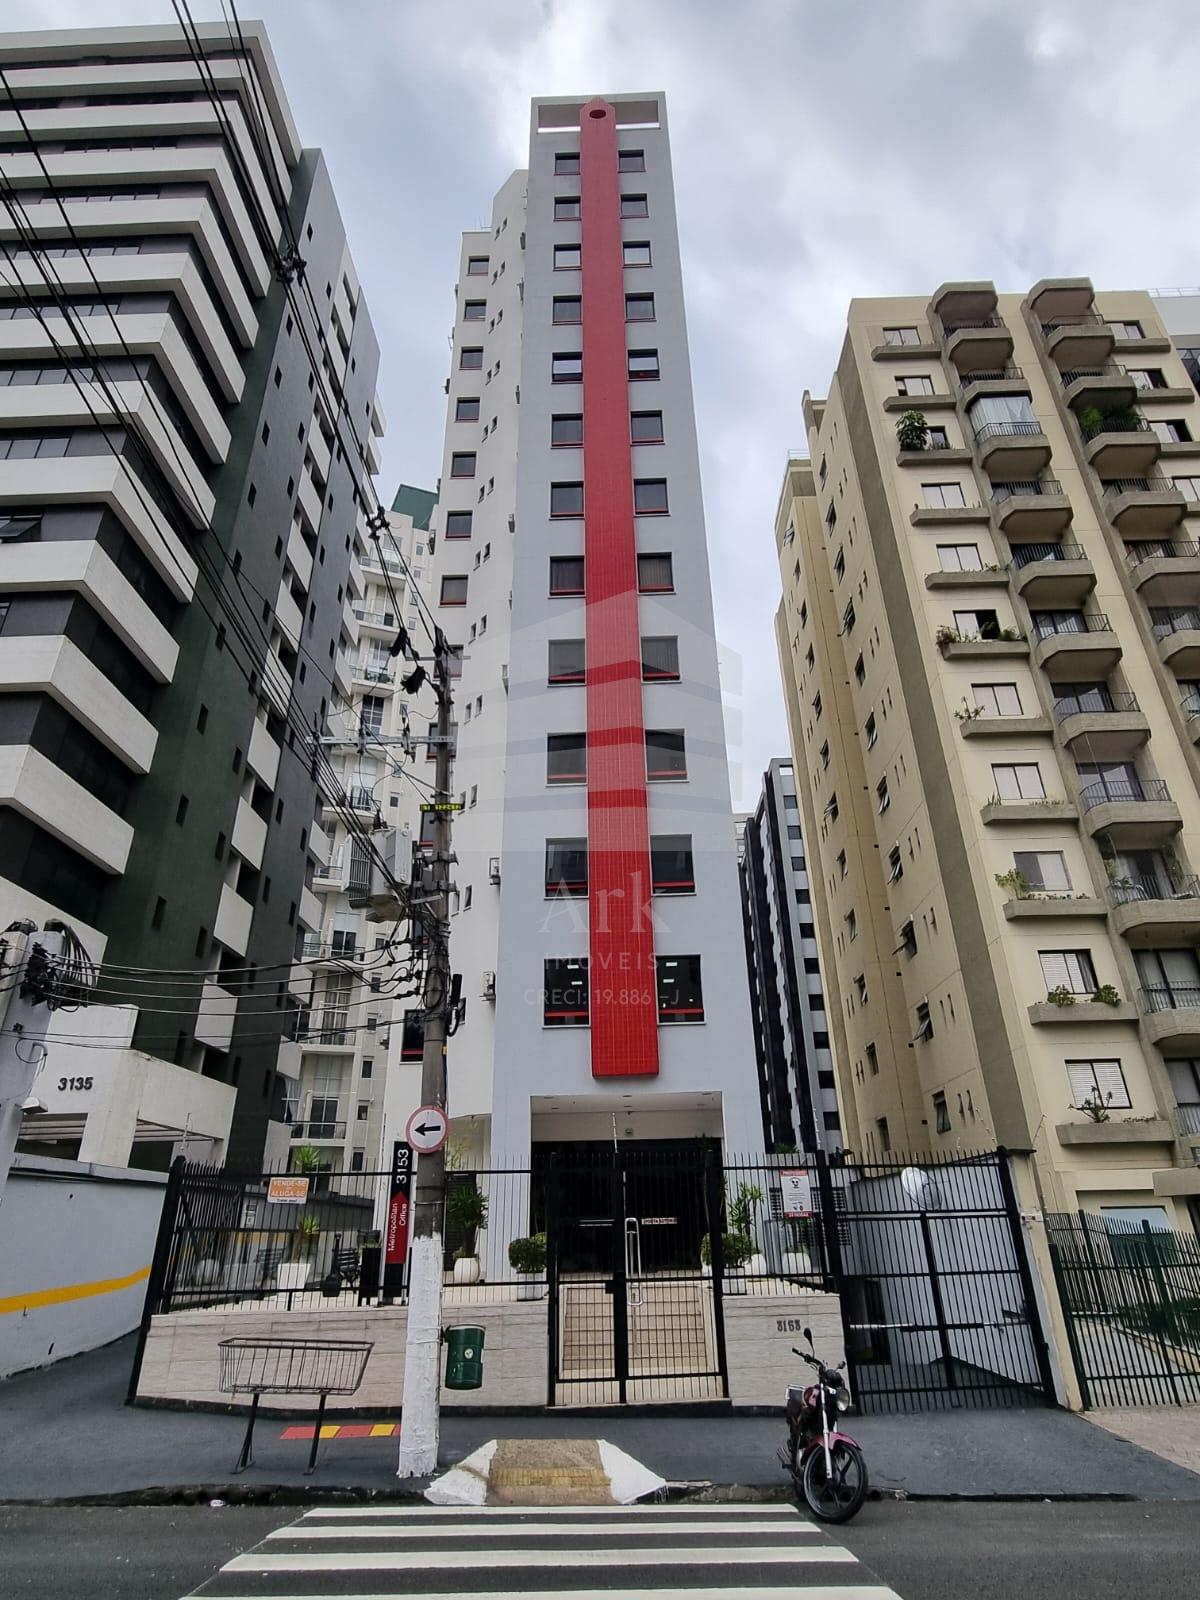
point(427, 1129)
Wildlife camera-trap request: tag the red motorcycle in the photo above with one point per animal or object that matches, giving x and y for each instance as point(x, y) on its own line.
point(827, 1465)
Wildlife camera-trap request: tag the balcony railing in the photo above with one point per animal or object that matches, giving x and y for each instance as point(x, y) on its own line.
point(1077, 319)
point(1148, 483)
point(990, 375)
point(361, 799)
point(1077, 622)
point(1123, 791)
point(961, 323)
point(1160, 550)
point(1115, 422)
point(1025, 554)
point(1190, 706)
point(1098, 702)
point(1025, 486)
point(1132, 891)
point(1187, 1117)
point(1007, 430)
point(378, 619)
point(1169, 997)
point(373, 674)
point(1108, 369)
point(318, 1130)
point(315, 948)
point(1174, 619)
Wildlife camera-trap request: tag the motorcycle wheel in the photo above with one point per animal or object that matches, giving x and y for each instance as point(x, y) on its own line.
point(835, 1496)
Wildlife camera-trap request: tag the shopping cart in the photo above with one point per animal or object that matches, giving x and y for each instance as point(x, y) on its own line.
point(290, 1366)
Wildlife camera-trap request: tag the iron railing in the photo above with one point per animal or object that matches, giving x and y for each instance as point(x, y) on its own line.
point(1119, 422)
point(321, 1128)
point(1024, 555)
point(1007, 430)
point(989, 375)
point(1131, 1298)
point(1107, 369)
point(373, 674)
point(1174, 619)
point(1123, 791)
point(1132, 891)
point(1145, 483)
point(967, 324)
point(1025, 486)
point(1160, 550)
point(1077, 319)
point(1169, 997)
point(1097, 702)
point(1080, 622)
point(1190, 706)
point(1187, 1117)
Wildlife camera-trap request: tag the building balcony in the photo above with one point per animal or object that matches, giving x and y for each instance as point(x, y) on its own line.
point(381, 679)
point(319, 1132)
point(1110, 726)
point(320, 951)
point(1171, 1016)
point(947, 516)
point(1078, 339)
point(1137, 811)
point(1008, 450)
point(1156, 910)
point(923, 350)
point(1086, 648)
point(1150, 504)
point(1164, 571)
point(962, 302)
point(973, 343)
point(1004, 727)
point(376, 621)
point(1189, 707)
point(955, 648)
point(234, 916)
point(262, 756)
point(1052, 574)
point(309, 910)
point(1030, 508)
point(1165, 394)
point(1060, 297)
point(332, 876)
point(1108, 387)
point(1044, 907)
point(1026, 811)
point(215, 1016)
point(1141, 1130)
point(1187, 1119)
point(969, 578)
point(249, 836)
point(1177, 629)
point(1083, 1009)
point(1120, 445)
point(947, 455)
point(942, 401)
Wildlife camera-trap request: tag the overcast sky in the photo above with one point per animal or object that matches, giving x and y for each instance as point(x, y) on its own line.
point(822, 149)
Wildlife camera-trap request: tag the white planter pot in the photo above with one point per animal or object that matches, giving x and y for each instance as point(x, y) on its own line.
point(529, 1286)
point(293, 1274)
point(735, 1282)
point(797, 1264)
point(466, 1270)
point(756, 1266)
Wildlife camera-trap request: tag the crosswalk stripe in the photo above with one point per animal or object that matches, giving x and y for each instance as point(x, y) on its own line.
point(858, 1591)
point(568, 1513)
point(535, 1530)
point(629, 1555)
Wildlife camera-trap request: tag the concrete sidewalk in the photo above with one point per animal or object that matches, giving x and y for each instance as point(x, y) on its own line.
point(66, 1434)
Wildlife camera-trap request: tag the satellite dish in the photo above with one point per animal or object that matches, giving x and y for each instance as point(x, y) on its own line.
point(921, 1187)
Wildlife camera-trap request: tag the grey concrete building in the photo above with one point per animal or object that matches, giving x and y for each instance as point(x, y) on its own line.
point(182, 526)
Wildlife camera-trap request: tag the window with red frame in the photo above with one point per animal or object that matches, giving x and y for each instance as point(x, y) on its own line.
point(454, 590)
point(565, 993)
point(680, 995)
point(566, 499)
point(566, 662)
point(567, 257)
point(671, 867)
point(458, 524)
point(656, 573)
point(660, 659)
point(412, 1040)
point(566, 429)
point(650, 497)
point(643, 366)
point(634, 205)
point(646, 427)
point(462, 464)
point(666, 757)
point(566, 366)
point(567, 208)
point(566, 868)
point(567, 308)
point(466, 408)
point(470, 358)
point(566, 163)
point(636, 252)
point(631, 161)
point(477, 266)
point(566, 575)
point(566, 758)
point(639, 308)
point(474, 310)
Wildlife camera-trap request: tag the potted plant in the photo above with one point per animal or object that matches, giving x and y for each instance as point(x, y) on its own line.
point(1107, 995)
point(1014, 881)
point(306, 1158)
point(736, 1249)
point(527, 1258)
point(743, 1209)
point(1095, 1106)
point(466, 1213)
point(1060, 995)
point(294, 1272)
point(912, 431)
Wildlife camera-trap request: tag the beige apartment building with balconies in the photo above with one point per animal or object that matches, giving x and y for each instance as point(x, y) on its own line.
point(990, 640)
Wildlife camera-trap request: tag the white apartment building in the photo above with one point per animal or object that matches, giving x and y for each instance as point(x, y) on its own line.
point(355, 1080)
point(596, 920)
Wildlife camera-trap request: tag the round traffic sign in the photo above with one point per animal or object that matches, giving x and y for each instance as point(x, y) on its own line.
point(427, 1129)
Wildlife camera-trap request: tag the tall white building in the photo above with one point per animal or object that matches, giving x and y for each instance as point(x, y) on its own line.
point(596, 923)
point(355, 1082)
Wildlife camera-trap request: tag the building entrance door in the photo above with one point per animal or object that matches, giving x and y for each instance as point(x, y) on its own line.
point(634, 1316)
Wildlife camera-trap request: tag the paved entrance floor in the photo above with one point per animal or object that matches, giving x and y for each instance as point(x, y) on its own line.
point(67, 1434)
point(1172, 1432)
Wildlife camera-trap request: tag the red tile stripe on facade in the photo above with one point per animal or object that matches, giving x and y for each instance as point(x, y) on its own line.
point(623, 1002)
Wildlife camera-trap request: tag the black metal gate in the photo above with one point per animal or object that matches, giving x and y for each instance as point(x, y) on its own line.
point(634, 1316)
point(1131, 1298)
point(937, 1296)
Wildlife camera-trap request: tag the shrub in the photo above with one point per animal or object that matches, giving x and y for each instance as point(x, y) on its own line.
point(528, 1255)
point(912, 431)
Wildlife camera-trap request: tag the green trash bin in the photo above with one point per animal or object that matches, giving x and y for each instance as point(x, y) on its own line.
point(464, 1358)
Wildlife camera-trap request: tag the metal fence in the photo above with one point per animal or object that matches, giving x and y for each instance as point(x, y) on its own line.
point(1131, 1298)
point(637, 1251)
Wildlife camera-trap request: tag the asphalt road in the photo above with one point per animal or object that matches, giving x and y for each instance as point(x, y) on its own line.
point(926, 1550)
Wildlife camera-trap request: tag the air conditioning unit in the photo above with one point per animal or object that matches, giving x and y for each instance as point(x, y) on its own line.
point(512, 522)
point(487, 988)
point(494, 870)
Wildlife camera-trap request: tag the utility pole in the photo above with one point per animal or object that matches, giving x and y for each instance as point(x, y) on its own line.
point(423, 1345)
point(29, 973)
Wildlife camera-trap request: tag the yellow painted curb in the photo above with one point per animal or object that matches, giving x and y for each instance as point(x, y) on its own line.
point(71, 1291)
